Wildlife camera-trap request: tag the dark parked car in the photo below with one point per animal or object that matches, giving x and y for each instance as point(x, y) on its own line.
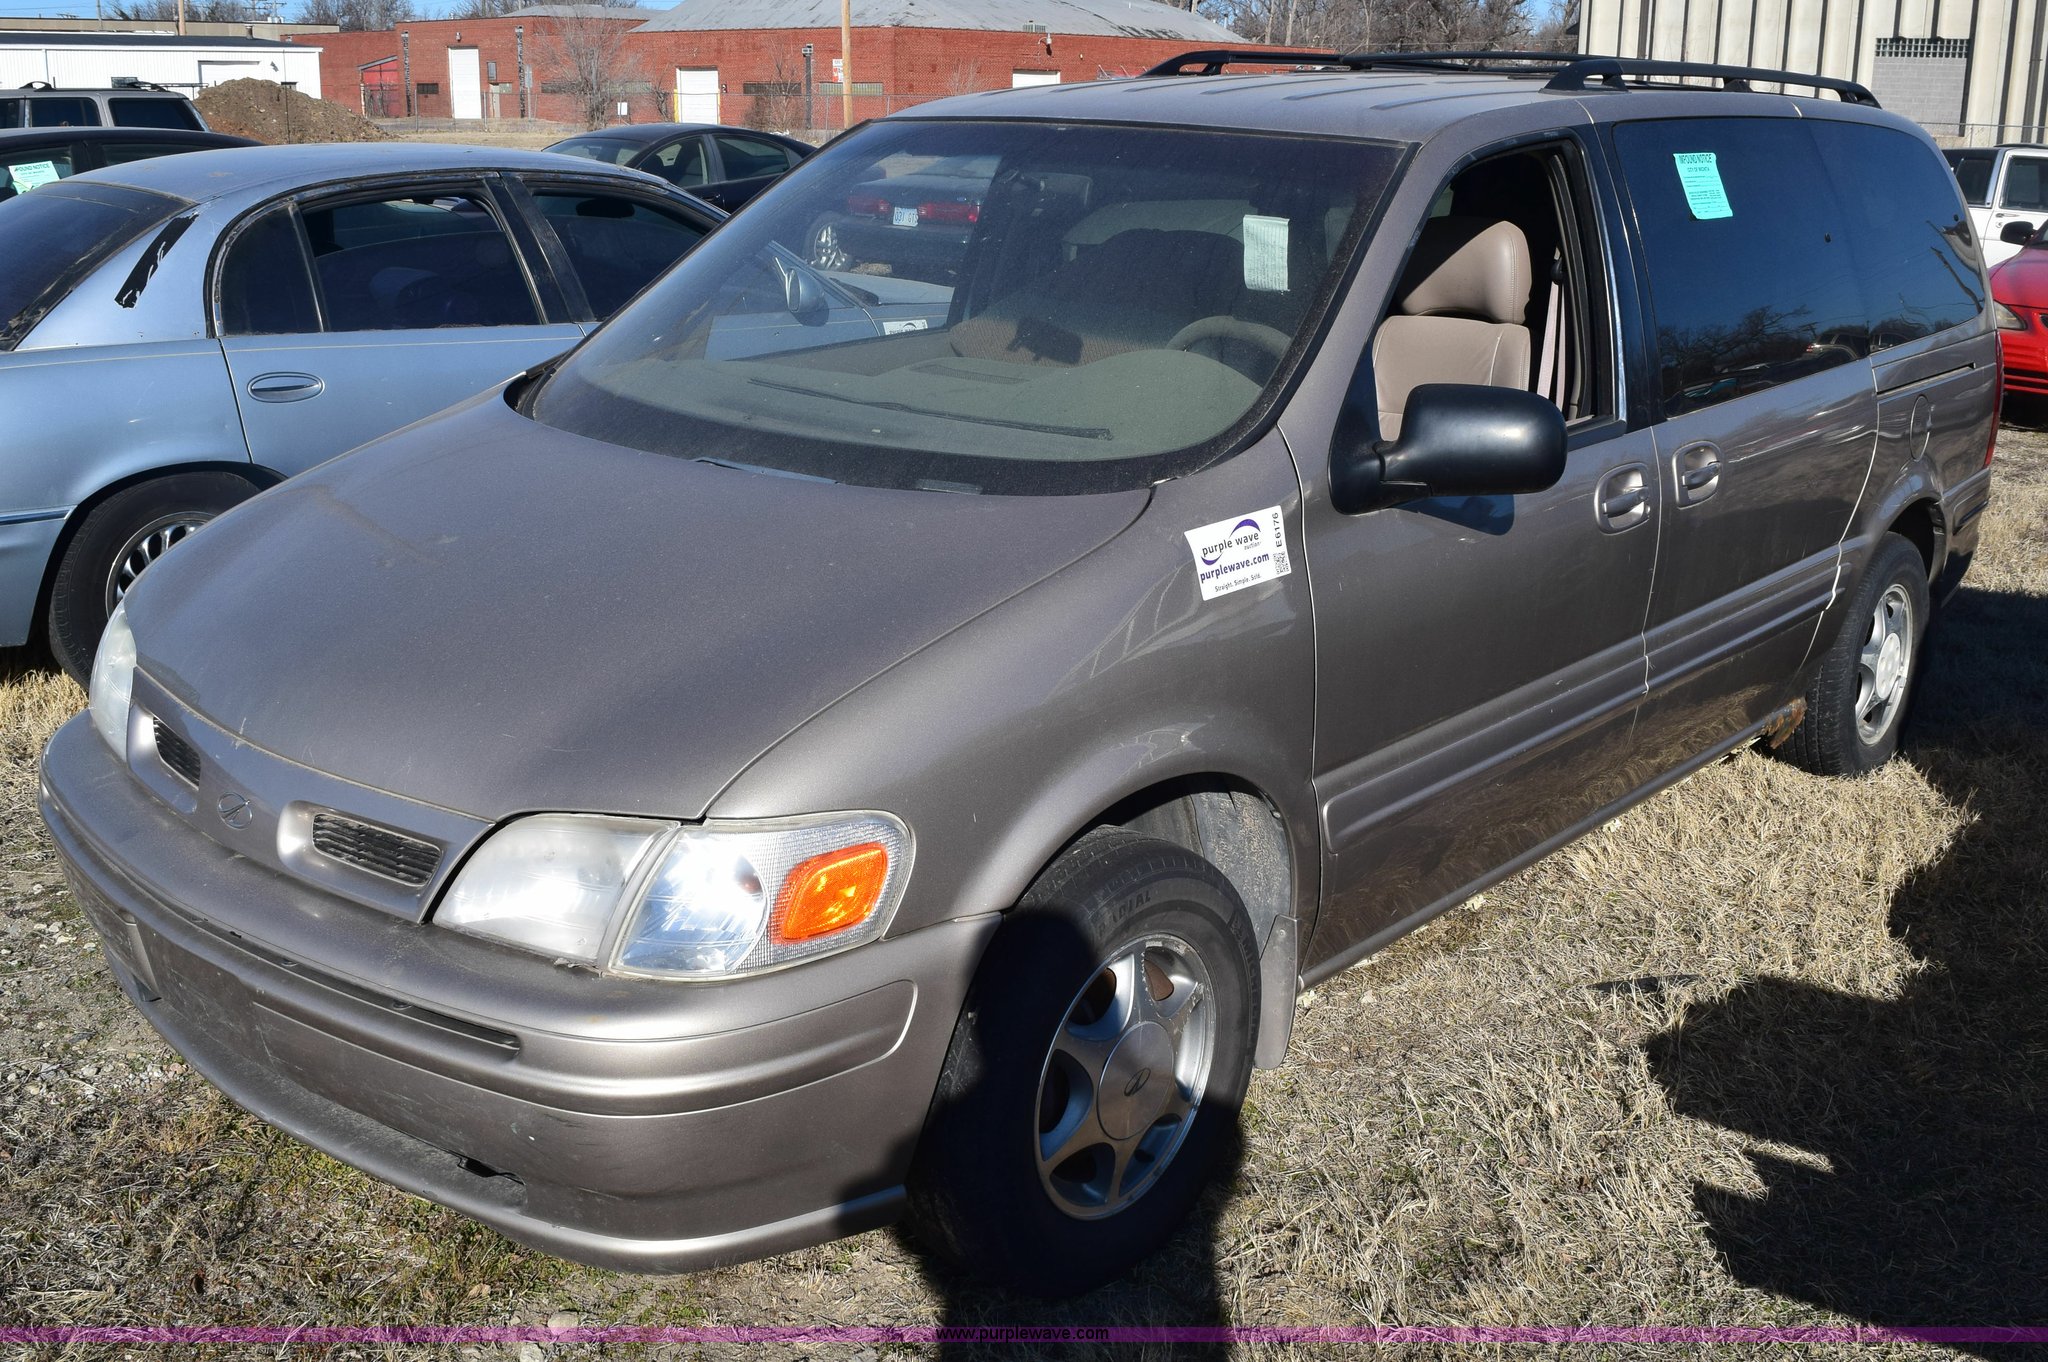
point(30, 157)
point(130, 104)
point(681, 806)
point(912, 219)
point(178, 334)
point(721, 165)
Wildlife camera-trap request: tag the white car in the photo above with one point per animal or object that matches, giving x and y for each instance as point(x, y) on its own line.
point(2007, 190)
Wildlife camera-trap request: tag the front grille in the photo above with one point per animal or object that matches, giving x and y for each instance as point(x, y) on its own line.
point(174, 752)
point(379, 851)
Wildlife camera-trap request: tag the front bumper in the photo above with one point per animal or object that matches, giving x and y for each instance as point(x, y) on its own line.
point(2023, 355)
point(629, 1124)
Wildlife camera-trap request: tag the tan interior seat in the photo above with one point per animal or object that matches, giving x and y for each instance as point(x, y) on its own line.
point(1458, 317)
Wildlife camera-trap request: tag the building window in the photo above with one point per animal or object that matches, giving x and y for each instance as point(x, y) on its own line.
point(428, 87)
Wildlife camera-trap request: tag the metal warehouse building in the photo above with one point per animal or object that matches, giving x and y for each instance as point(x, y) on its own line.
point(181, 63)
point(1970, 71)
point(742, 61)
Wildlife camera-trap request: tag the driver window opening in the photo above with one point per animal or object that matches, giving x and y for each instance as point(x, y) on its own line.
point(1496, 293)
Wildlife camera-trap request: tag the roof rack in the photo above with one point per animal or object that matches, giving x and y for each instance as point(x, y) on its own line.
point(1213, 60)
point(1568, 71)
point(1611, 72)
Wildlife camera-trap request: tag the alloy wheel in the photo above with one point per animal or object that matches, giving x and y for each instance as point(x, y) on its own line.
point(1124, 1076)
point(1884, 664)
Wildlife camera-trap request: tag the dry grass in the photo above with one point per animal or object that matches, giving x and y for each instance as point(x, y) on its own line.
point(1768, 1050)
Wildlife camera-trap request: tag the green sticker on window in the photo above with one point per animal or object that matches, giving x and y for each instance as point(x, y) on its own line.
point(1700, 175)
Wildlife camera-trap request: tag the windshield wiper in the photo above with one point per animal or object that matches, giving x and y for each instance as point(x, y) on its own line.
point(1035, 427)
point(760, 468)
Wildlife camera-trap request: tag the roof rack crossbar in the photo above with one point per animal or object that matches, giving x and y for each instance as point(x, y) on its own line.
point(1211, 61)
point(1611, 73)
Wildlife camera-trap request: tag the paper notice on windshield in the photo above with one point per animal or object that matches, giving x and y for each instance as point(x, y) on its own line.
point(1699, 174)
point(1240, 552)
point(1265, 253)
point(32, 174)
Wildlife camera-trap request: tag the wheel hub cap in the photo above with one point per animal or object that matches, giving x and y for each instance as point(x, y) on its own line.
point(1137, 1083)
point(1883, 664)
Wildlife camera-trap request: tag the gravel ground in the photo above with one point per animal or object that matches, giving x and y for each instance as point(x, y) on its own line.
point(1766, 1051)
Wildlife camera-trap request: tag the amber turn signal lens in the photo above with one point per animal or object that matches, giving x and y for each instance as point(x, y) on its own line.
point(831, 892)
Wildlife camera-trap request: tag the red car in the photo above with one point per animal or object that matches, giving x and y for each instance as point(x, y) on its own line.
point(2020, 287)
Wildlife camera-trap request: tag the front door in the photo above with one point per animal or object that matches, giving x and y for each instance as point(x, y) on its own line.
point(696, 94)
point(2022, 198)
point(1479, 660)
point(465, 82)
point(414, 301)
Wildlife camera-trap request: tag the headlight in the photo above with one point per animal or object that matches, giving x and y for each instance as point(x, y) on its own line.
point(113, 680)
point(2008, 320)
point(641, 896)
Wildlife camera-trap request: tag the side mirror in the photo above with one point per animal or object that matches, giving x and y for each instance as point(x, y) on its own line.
point(1457, 440)
point(2017, 233)
point(803, 293)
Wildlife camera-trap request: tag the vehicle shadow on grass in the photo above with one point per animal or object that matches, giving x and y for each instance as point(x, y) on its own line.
point(1929, 1111)
point(1179, 1287)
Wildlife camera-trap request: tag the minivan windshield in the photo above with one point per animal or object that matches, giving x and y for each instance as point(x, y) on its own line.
point(1014, 307)
point(51, 238)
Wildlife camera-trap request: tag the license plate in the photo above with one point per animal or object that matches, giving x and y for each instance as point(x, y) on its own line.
point(903, 217)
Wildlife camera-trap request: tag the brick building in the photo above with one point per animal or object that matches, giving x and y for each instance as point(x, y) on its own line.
point(741, 61)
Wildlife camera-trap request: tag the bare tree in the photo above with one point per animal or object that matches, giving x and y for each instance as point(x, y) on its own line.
point(1380, 25)
point(583, 48)
point(964, 79)
point(357, 16)
point(775, 105)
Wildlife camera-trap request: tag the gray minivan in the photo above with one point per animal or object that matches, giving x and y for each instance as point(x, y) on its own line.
point(683, 805)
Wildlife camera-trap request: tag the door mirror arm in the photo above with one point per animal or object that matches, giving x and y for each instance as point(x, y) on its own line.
point(1456, 440)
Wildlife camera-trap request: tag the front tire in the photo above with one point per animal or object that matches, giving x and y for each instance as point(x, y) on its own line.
point(1857, 702)
point(117, 540)
point(1096, 1072)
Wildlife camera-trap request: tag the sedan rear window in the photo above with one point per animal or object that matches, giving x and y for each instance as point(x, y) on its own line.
point(54, 237)
point(1017, 308)
point(610, 150)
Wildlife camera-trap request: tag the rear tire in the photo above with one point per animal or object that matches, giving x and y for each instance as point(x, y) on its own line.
point(117, 540)
point(1857, 702)
point(1096, 1072)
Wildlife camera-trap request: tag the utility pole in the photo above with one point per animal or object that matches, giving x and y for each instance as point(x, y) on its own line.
point(845, 63)
point(810, 117)
point(181, 17)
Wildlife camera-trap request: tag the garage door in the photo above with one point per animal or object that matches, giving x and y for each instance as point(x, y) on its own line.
point(1020, 79)
point(465, 82)
point(696, 95)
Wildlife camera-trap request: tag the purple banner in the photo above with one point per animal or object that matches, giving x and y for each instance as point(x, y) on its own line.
point(451, 1334)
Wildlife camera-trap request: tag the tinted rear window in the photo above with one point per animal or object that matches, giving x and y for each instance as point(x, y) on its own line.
point(52, 238)
point(1973, 173)
point(1779, 247)
point(153, 113)
point(62, 111)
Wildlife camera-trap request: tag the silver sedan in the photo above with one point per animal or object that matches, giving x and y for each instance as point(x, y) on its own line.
point(178, 334)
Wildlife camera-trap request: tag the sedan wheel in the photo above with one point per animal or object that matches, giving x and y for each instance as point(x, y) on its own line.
point(828, 250)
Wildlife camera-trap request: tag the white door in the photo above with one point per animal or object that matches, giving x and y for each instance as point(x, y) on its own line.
point(214, 72)
point(2022, 197)
point(696, 94)
point(466, 82)
point(1020, 79)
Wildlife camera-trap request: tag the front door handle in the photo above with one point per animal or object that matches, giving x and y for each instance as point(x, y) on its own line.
point(1623, 501)
point(1696, 470)
point(285, 387)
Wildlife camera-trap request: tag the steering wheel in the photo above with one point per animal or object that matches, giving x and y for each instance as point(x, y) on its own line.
point(1222, 326)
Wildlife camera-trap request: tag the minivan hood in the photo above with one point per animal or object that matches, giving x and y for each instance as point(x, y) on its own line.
point(496, 617)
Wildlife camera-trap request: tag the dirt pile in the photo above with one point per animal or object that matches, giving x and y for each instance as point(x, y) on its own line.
point(268, 112)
